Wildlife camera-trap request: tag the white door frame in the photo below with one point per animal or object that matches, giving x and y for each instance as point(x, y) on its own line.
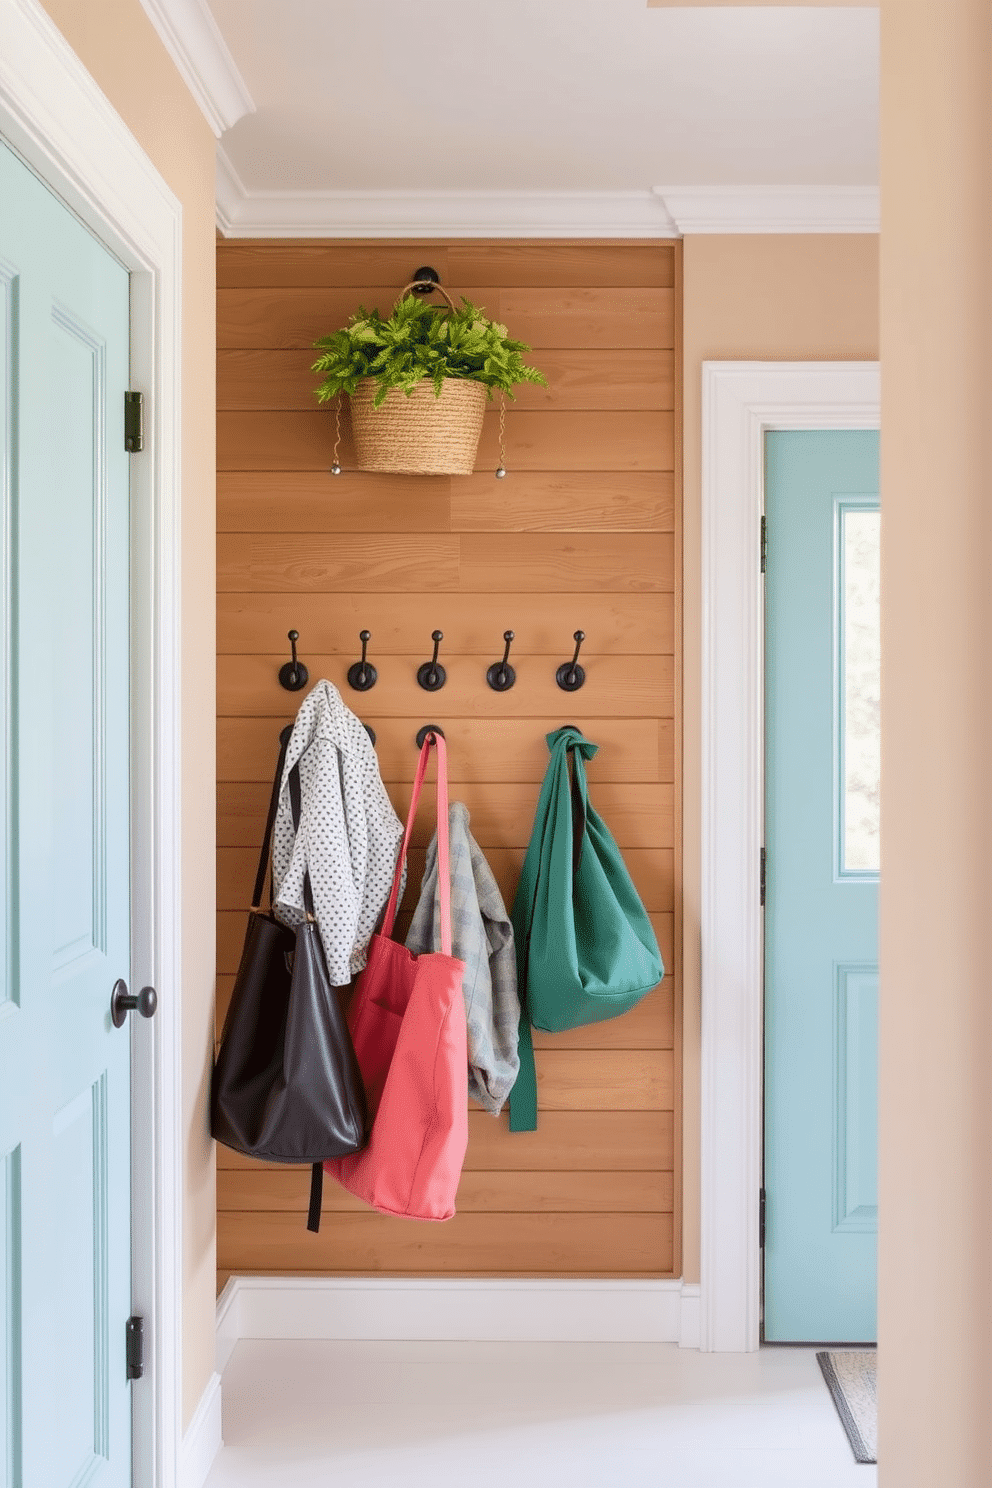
point(741, 401)
point(55, 116)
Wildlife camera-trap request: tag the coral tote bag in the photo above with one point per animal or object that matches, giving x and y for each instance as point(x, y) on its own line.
point(407, 1021)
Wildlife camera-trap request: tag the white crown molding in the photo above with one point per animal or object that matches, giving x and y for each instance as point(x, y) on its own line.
point(193, 40)
point(429, 1309)
point(447, 214)
point(771, 209)
point(664, 212)
point(232, 194)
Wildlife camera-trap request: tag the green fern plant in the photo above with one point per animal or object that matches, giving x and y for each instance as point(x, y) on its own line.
point(421, 341)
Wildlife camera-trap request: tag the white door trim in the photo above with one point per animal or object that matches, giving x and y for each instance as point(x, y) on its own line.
point(55, 116)
point(741, 400)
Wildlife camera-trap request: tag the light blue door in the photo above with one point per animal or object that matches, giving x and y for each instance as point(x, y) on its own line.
point(65, 1413)
point(821, 908)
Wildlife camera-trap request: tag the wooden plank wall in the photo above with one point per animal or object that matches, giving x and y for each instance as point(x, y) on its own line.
point(583, 534)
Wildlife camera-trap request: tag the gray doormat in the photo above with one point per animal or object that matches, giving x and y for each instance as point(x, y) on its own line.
point(851, 1380)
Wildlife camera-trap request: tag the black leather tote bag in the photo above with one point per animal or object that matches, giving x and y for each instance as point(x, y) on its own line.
point(286, 1085)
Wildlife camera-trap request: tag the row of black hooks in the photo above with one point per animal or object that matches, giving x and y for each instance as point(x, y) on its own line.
point(432, 676)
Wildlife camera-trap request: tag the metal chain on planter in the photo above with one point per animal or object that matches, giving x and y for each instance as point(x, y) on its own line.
point(336, 464)
point(501, 468)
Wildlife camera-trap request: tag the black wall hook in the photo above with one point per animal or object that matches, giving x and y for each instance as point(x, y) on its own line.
point(425, 279)
point(294, 674)
point(428, 728)
point(432, 675)
point(370, 731)
point(501, 675)
point(363, 675)
point(570, 676)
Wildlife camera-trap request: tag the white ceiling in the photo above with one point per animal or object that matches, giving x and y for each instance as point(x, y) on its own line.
point(473, 97)
point(590, 95)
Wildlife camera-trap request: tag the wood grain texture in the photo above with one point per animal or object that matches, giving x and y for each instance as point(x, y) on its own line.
point(631, 623)
point(555, 264)
point(564, 501)
point(631, 749)
point(280, 561)
point(559, 1192)
point(297, 439)
point(286, 263)
point(546, 563)
point(649, 1025)
point(651, 869)
point(583, 534)
point(231, 926)
point(292, 263)
point(316, 501)
point(528, 501)
point(565, 1141)
point(577, 378)
point(573, 441)
point(614, 317)
point(548, 317)
point(637, 686)
point(538, 563)
point(502, 815)
point(508, 1244)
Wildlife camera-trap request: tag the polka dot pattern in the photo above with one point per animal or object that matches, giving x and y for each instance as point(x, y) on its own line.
point(348, 837)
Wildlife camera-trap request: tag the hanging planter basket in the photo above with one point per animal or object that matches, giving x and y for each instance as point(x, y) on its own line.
point(427, 422)
point(420, 433)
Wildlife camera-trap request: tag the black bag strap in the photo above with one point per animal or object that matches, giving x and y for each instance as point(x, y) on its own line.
point(296, 803)
point(263, 858)
point(316, 1197)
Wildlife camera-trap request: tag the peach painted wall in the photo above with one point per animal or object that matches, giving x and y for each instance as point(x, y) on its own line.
point(117, 44)
point(935, 1034)
point(746, 298)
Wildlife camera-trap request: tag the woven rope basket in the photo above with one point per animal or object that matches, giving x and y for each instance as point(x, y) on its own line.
point(420, 434)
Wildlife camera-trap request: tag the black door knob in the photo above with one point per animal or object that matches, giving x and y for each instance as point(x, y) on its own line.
point(123, 1002)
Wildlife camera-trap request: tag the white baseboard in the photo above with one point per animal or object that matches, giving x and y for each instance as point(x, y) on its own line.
point(203, 1439)
point(433, 1309)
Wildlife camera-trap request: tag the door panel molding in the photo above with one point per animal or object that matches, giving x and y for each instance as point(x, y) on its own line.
point(58, 120)
point(855, 1097)
point(10, 993)
point(741, 402)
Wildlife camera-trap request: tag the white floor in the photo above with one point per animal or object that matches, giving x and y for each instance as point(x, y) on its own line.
point(537, 1415)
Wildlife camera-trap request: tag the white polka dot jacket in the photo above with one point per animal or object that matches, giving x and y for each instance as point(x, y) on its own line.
point(482, 937)
point(349, 835)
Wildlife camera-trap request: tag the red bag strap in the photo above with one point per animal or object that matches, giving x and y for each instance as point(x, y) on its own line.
point(443, 851)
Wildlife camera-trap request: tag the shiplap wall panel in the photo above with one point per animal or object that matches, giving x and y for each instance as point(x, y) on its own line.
point(582, 535)
point(624, 379)
point(294, 439)
point(291, 263)
point(631, 749)
point(565, 1141)
point(481, 1192)
point(638, 686)
point(651, 1025)
point(546, 317)
point(651, 868)
point(536, 1244)
point(628, 624)
point(535, 501)
point(502, 814)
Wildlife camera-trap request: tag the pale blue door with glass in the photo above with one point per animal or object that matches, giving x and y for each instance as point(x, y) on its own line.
point(822, 650)
point(65, 1413)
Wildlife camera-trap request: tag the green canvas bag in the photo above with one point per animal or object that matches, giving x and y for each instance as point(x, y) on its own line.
point(586, 950)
